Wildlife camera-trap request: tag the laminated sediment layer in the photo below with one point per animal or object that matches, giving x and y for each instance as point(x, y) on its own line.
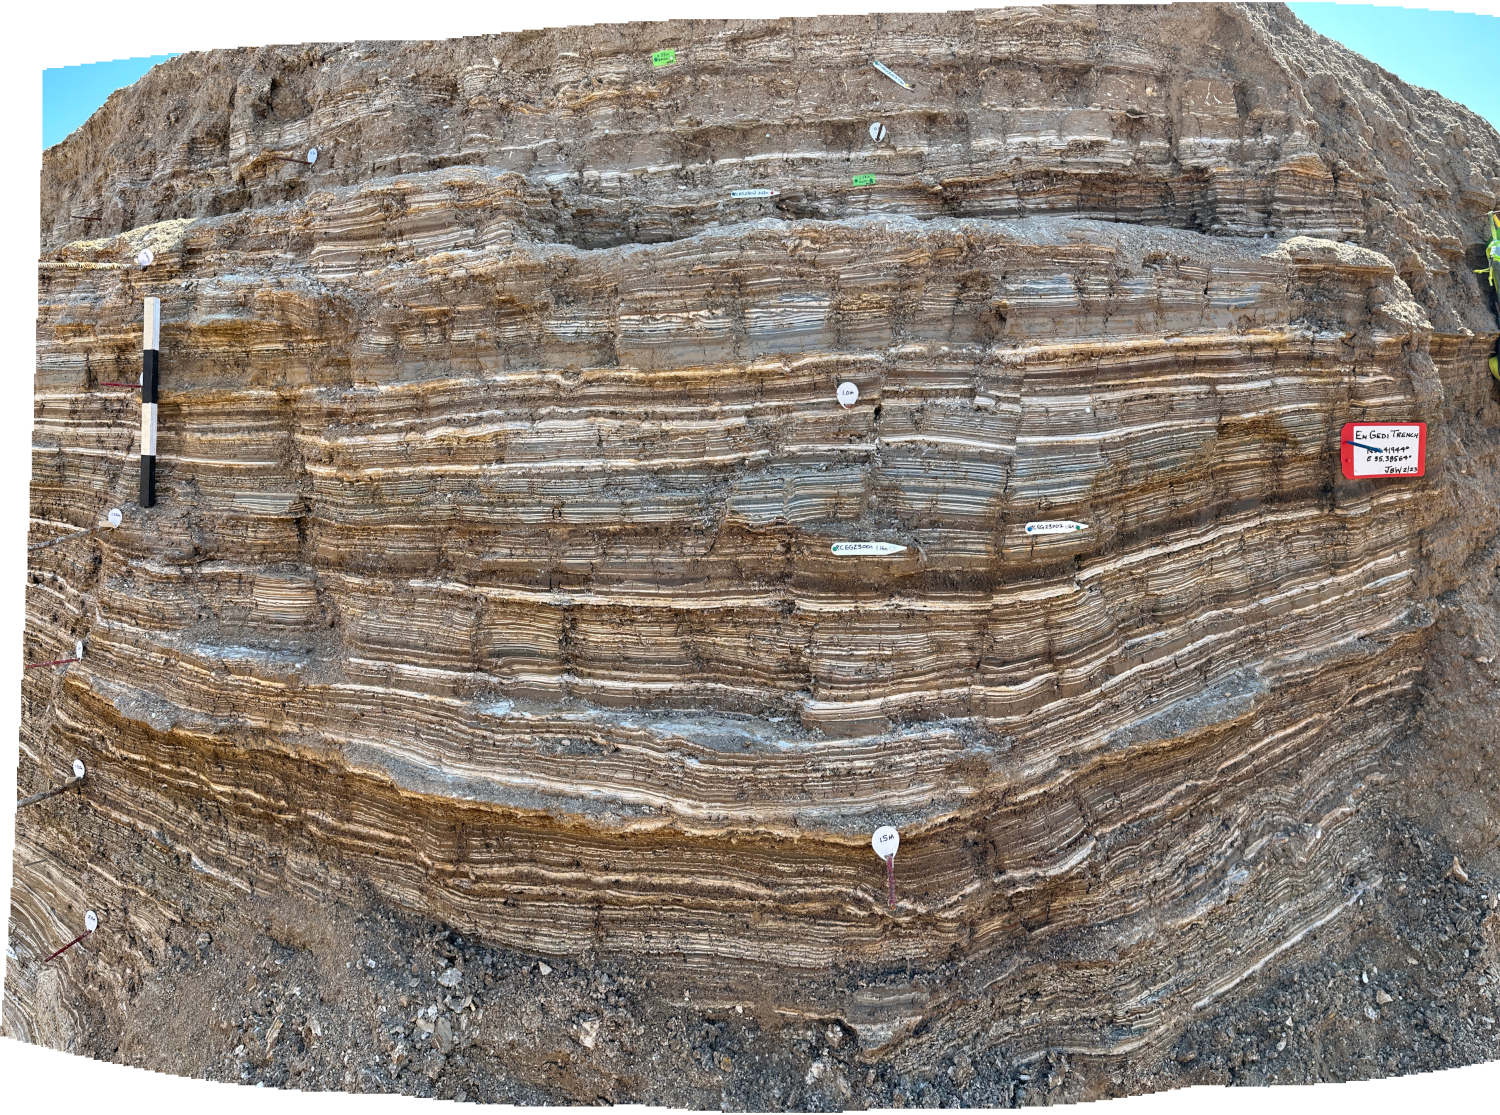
point(491, 566)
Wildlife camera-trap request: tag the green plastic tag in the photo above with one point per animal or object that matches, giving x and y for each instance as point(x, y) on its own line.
point(664, 57)
point(864, 180)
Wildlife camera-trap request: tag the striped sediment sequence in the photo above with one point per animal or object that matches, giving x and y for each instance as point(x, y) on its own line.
point(493, 566)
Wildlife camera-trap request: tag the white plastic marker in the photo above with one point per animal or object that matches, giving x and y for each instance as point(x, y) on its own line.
point(312, 155)
point(1055, 526)
point(866, 549)
point(885, 841)
point(115, 517)
point(878, 132)
point(91, 921)
point(847, 394)
point(897, 78)
point(79, 770)
point(752, 193)
point(78, 647)
point(146, 258)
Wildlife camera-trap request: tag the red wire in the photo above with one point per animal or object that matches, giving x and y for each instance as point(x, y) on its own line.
point(66, 947)
point(57, 662)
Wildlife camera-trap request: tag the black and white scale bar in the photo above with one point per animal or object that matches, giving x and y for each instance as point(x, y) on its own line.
point(150, 346)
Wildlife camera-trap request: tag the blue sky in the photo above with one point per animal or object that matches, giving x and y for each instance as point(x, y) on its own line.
point(1456, 53)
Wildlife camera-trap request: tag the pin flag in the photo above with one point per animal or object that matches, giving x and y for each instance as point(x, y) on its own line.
point(847, 394)
point(885, 841)
point(90, 923)
point(752, 193)
point(77, 657)
point(146, 258)
point(897, 78)
point(866, 549)
point(878, 132)
point(78, 772)
point(114, 521)
point(1055, 526)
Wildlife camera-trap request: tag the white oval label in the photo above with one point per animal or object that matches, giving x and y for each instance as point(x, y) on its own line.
point(885, 841)
point(750, 193)
point(877, 131)
point(78, 649)
point(78, 768)
point(312, 155)
point(146, 258)
point(866, 549)
point(115, 517)
point(91, 921)
point(848, 394)
point(1055, 526)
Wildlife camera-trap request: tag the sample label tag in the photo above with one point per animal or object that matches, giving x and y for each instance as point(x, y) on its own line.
point(146, 258)
point(885, 841)
point(1371, 449)
point(877, 131)
point(1055, 526)
point(847, 394)
point(664, 57)
point(897, 78)
point(91, 921)
point(866, 549)
point(312, 155)
point(751, 193)
point(864, 180)
point(78, 649)
point(115, 517)
point(78, 768)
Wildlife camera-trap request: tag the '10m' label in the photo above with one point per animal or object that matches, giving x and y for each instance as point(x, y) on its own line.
point(1375, 449)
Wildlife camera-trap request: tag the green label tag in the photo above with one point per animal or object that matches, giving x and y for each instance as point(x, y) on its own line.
point(664, 57)
point(864, 180)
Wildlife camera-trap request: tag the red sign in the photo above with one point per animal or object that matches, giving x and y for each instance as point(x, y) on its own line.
point(1381, 450)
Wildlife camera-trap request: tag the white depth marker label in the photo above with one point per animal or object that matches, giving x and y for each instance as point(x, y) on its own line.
point(79, 770)
point(752, 193)
point(897, 78)
point(91, 921)
point(847, 394)
point(1055, 526)
point(866, 549)
point(885, 841)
